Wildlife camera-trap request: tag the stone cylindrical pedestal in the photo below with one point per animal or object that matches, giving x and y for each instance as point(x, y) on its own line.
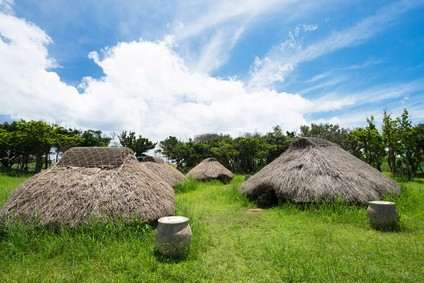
point(383, 215)
point(173, 235)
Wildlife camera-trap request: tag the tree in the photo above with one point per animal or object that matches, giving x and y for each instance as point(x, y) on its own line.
point(168, 147)
point(248, 149)
point(419, 133)
point(330, 132)
point(391, 138)
point(94, 138)
point(34, 138)
point(370, 143)
point(411, 157)
point(64, 139)
point(277, 143)
point(139, 145)
point(9, 152)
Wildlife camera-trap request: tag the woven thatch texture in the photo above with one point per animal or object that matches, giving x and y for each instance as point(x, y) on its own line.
point(313, 169)
point(95, 157)
point(168, 173)
point(72, 195)
point(210, 169)
point(154, 159)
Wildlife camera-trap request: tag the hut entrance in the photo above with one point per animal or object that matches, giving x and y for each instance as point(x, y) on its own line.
point(266, 197)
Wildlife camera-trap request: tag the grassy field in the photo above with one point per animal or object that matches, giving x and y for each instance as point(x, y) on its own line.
point(231, 243)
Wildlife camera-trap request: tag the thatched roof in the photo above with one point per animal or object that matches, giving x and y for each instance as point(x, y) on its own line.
point(91, 182)
point(210, 169)
point(168, 173)
point(95, 157)
point(153, 159)
point(314, 169)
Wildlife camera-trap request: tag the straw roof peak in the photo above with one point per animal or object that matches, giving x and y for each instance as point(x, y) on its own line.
point(305, 142)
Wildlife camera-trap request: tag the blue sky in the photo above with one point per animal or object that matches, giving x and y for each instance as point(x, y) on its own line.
point(183, 68)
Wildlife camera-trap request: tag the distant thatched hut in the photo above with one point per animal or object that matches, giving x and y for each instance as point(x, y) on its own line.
point(168, 173)
point(92, 182)
point(314, 169)
point(210, 169)
point(154, 159)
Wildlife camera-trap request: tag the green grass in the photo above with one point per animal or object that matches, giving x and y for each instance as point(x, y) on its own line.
point(231, 243)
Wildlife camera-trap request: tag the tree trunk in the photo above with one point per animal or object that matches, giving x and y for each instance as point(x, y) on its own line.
point(38, 163)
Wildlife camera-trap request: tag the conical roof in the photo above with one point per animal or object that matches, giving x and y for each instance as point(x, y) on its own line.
point(210, 169)
point(168, 173)
point(314, 169)
point(92, 182)
point(155, 159)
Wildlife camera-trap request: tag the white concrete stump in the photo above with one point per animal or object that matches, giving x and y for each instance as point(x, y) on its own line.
point(383, 215)
point(173, 235)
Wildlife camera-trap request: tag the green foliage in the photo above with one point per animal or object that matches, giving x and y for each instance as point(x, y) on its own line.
point(404, 144)
point(245, 154)
point(370, 143)
point(22, 142)
point(186, 186)
point(139, 145)
point(94, 138)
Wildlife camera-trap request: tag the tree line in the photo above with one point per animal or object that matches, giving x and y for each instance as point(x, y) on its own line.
point(398, 142)
point(24, 142)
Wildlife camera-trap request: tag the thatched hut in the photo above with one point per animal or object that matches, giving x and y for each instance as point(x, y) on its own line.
point(313, 170)
point(154, 159)
point(92, 182)
point(168, 173)
point(210, 169)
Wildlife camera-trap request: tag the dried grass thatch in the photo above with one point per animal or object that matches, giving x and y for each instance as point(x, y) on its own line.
point(314, 169)
point(105, 186)
point(95, 157)
point(168, 173)
point(154, 159)
point(210, 169)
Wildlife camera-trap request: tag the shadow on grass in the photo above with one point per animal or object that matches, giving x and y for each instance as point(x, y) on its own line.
point(171, 259)
point(12, 172)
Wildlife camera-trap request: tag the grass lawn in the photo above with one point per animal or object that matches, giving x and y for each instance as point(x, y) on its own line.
point(231, 243)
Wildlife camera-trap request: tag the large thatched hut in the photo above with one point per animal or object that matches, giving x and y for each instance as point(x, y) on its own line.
point(210, 169)
point(314, 169)
point(168, 173)
point(92, 182)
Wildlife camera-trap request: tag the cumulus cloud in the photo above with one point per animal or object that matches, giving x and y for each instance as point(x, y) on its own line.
point(147, 88)
point(27, 86)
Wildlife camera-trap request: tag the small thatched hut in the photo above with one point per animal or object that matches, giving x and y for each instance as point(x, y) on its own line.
point(92, 182)
point(154, 159)
point(210, 169)
point(314, 169)
point(168, 173)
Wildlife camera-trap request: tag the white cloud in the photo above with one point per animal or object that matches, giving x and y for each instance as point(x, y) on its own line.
point(147, 88)
point(6, 6)
point(215, 53)
point(292, 52)
point(215, 27)
point(27, 86)
point(152, 91)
